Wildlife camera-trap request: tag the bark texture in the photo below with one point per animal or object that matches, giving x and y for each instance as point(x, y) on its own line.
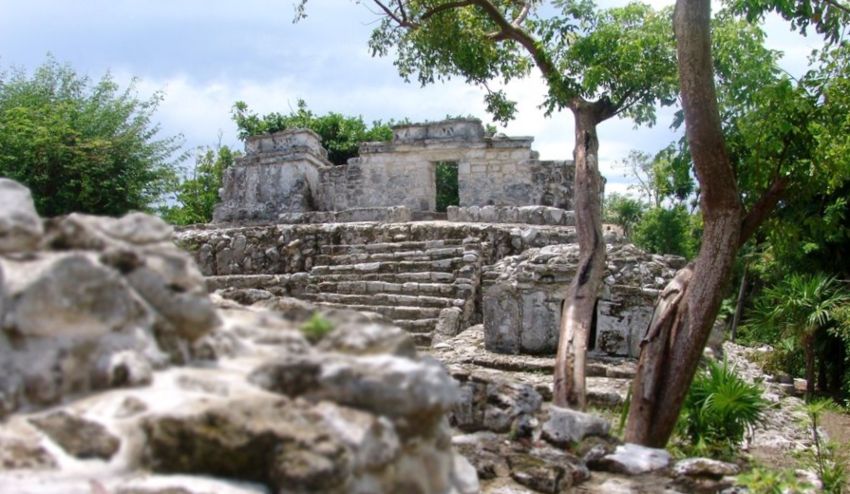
point(580, 302)
point(688, 306)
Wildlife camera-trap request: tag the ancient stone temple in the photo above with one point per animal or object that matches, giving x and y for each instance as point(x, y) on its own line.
point(365, 236)
point(288, 172)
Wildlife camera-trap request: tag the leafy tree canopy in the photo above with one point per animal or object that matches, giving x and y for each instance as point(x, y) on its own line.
point(623, 54)
point(340, 135)
point(82, 146)
point(198, 195)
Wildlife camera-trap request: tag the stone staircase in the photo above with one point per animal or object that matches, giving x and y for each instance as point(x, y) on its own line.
point(409, 282)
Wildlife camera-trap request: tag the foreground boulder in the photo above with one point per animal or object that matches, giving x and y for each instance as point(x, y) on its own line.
point(20, 226)
point(153, 388)
point(89, 303)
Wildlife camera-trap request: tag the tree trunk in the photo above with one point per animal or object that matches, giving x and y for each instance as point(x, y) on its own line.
point(739, 306)
point(580, 302)
point(682, 321)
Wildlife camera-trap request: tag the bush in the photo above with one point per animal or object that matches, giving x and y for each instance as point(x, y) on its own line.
point(765, 481)
point(623, 211)
point(198, 195)
point(81, 146)
point(668, 231)
point(316, 328)
point(720, 409)
point(339, 134)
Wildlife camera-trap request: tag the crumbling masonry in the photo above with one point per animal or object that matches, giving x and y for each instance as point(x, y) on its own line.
point(366, 236)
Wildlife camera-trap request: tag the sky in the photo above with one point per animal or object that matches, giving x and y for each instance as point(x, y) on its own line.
point(206, 54)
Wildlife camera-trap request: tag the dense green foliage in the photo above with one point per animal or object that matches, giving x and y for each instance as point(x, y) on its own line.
point(624, 54)
point(720, 409)
point(801, 310)
point(315, 328)
point(198, 195)
point(624, 211)
point(447, 185)
point(761, 480)
point(82, 146)
point(658, 221)
point(668, 231)
point(339, 134)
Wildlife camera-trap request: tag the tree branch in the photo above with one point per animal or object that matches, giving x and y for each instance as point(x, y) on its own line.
point(523, 14)
point(446, 6)
point(762, 208)
point(838, 5)
point(401, 21)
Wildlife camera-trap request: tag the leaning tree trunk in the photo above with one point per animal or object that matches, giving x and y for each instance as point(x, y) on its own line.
point(580, 302)
point(688, 306)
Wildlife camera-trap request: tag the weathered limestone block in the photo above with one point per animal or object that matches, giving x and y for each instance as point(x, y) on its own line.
point(566, 426)
point(394, 386)
point(535, 215)
point(77, 436)
point(633, 459)
point(523, 298)
point(498, 406)
point(98, 307)
point(278, 174)
point(20, 227)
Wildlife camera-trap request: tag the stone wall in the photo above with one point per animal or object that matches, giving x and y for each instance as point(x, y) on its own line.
point(496, 170)
point(292, 249)
point(523, 297)
point(288, 172)
point(279, 173)
point(531, 215)
point(395, 214)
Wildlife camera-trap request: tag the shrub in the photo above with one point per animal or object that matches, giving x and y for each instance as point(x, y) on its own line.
point(720, 409)
point(316, 328)
point(81, 146)
point(761, 480)
point(340, 135)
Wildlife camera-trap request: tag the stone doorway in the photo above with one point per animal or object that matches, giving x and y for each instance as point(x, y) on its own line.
point(446, 180)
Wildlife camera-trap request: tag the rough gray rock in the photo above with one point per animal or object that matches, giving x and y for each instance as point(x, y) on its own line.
point(24, 453)
point(266, 441)
point(77, 436)
point(448, 324)
point(20, 227)
point(633, 459)
point(101, 304)
point(368, 339)
point(390, 385)
point(546, 470)
point(705, 467)
point(496, 406)
point(565, 426)
point(69, 295)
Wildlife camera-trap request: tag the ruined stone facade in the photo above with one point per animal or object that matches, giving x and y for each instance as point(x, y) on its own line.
point(288, 172)
point(523, 297)
point(364, 236)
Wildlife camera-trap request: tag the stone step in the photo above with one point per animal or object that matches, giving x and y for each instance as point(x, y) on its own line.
point(261, 281)
point(388, 246)
point(415, 277)
point(417, 326)
point(393, 312)
point(447, 265)
point(396, 255)
point(448, 290)
point(422, 340)
point(388, 299)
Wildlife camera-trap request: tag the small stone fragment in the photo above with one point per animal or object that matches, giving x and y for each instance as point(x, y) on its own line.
point(77, 436)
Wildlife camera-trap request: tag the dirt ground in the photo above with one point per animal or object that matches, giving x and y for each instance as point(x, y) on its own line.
point(837, 427)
